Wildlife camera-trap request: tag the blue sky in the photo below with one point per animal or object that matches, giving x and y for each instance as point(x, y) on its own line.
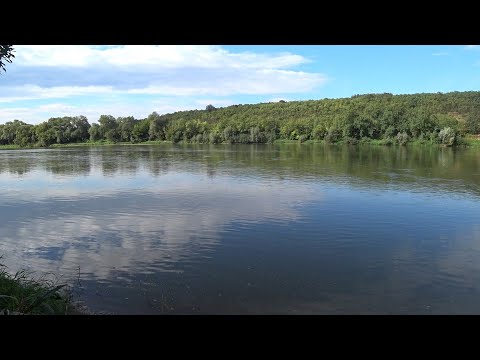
point(63, 80)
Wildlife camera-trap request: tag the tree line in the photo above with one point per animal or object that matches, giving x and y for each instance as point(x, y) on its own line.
point(437, 118)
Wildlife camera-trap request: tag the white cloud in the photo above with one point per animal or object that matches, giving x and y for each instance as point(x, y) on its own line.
point(259, 82)
point(31, 92)
point(19, 113)
point(38, 114)
point(180, 230)
point(164, 56)
point(139, 79)
point(262, 82)
point(440, 54)
point(472, 47)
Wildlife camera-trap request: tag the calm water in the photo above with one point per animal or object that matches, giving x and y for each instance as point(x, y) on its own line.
point(249, 229)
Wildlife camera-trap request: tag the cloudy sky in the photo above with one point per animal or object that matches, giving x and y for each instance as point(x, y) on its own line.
point(54, 80)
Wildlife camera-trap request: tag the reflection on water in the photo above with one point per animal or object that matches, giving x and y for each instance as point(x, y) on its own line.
point(249, 228)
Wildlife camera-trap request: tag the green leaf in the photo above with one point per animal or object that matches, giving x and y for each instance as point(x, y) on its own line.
point(9, 297)
point(39, 300)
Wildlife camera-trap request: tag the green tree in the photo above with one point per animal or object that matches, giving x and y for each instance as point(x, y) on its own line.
point(9, 133)
point(95, 132)
point(156, 130)
point(140, 131)
point(107, 123)
point(80, 127)
point(45, 134)
point(473, 122)
point(394, 118)
point(25, 135)
point(125, 127)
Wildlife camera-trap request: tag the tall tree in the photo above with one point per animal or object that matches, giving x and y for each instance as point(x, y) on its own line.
point(125, 127)
point(108, 124)
point(95, 132)
point(156, 130)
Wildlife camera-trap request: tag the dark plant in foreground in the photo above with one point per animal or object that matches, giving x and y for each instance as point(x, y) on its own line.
point(22, 294)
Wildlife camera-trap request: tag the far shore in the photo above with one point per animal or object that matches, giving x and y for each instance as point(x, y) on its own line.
point(469, 141)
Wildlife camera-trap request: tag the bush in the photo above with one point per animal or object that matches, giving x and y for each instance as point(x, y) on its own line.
point(229, 135)
point(302, 138)
point(271, 137)
point(388, 141)
point(197, 139)
point(257, 136)
point(244, 138)
point(390, 132)
point(214, 138)
point(473, 122)
point(351, 141)
point(333, 135)
point(402, 138)
point(318, 132)
point(447, 136)
point(177, 137)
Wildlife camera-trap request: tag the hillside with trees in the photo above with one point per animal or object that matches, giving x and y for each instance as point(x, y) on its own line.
point(385, 118)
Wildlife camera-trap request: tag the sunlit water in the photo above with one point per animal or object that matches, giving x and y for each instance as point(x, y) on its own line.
point(248, 229)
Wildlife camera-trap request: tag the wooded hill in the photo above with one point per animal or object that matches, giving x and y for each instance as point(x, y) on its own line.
point(436, 118)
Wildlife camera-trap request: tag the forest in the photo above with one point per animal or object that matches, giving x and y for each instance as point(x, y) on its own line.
point(441, 118)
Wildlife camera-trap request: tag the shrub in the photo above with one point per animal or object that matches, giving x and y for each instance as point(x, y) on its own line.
point(351, 141)
point(390, 132)
point(318, 132)
point(402, 138)
point(244, 138)
point(22, 294)
point(271, 137)
point(214, 138)
point(447, 136)
point(333, 135)
point(177, 137)
point(302, 138)
point(388, 141)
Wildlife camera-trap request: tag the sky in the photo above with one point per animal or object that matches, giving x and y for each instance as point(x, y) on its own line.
point(47, 81)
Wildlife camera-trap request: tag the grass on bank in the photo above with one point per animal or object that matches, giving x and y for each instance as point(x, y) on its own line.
point(21, 294)
point(467, 141)
point(472, 140)
point(97, 143)
point(11, 147)
point(87, 143)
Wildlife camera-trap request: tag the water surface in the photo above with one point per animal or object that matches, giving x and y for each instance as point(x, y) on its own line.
point(249, 229)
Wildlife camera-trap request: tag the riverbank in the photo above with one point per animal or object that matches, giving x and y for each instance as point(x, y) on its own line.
point(468, 141)
point(107, 143)
point(87, 143)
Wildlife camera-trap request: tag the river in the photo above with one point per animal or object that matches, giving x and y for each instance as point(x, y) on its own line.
point(248, 229)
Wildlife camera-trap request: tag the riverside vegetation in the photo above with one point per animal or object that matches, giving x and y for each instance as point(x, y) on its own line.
point(22, 294)
point(440, 118)
point(447, 119)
